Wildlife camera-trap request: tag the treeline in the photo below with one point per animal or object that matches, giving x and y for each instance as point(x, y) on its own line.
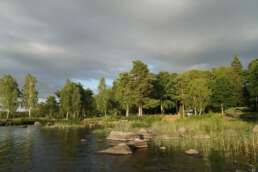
point(140, 91)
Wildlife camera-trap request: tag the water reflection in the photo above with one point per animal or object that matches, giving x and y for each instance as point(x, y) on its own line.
point(34, 149)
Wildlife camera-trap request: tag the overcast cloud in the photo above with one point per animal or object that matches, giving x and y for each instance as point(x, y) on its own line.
point(86, 39)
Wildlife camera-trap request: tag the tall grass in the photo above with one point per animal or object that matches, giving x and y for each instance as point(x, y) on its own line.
point(233, 140)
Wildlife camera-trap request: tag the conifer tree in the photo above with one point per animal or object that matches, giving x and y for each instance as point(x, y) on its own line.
point(141, 84)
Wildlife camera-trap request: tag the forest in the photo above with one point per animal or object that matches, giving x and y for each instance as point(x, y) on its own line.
point(138, 92)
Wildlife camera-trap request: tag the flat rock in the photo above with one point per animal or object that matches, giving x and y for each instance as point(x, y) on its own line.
point(120, 149)
point(122, 136)
point(192, 152)
point(163, 148)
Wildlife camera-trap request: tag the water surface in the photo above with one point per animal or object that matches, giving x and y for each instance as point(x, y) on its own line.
point(53, 150)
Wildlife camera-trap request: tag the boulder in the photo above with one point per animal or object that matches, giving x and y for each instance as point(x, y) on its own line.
point(163, 148)
point(37, 124)
point(192, 152)
point(138, 143)
point(255, 129)
point(181, 131)
point(122, 136)
point(145, 134)
point(83, 140)
point(120, 149)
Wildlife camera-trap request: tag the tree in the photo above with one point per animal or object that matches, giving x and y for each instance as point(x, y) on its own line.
point(198, 95)
point(165, 90)
point(141, 84)
point(70, 99)
point(222, 95)
point(252, 83)
point(30, 94)
point(87, 101)
point(237, 75)
point(51, 106)
point(123, 91)
point(182, 87)
point(9, 93)
point(102, 98)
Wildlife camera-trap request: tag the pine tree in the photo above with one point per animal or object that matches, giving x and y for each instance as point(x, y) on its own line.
point(252, 83)
point(51, 106)
point(141, 84)
point(165, 90)
point(222, 95)
point(237, 76)
point(123, 91)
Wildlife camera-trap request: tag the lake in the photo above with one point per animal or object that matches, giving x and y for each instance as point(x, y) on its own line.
point(61, 150)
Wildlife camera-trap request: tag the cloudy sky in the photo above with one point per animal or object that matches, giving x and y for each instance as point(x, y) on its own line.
point(86, 39)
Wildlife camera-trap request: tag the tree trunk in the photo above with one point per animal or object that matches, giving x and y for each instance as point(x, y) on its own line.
point(222, 109)
point(127, 110)
point(195, 111)
point(200, 113)
point(161, 108)
point(183, 111)
point(67, 115)
point(140, 111)
point(29, 112)
point(105, 113)
point(256, 103)
point(8, 113)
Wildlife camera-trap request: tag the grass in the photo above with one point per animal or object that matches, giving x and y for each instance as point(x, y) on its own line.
point(234, 140)
point(23, 121)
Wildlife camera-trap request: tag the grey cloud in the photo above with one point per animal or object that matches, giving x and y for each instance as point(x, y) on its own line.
point(85, 39)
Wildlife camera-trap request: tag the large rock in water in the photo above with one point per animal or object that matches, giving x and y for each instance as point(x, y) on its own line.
point(37, 124)
point(138, 143)
point(120, 149)
point(122, 136)
point(145, 134)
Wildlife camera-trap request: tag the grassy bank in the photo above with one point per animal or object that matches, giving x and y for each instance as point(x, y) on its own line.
point(24, 121)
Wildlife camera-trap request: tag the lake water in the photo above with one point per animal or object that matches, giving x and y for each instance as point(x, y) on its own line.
point(54, 150)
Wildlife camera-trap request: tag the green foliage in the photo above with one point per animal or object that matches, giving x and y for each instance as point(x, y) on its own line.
point(222, 95)
point(74, 100)
point(141, 82)
point(123, 89)
point(237, 76)
point(51, 106)
point(30, 93)
point(198, 95)
point(9, 93)
point(183, 88)
point(164, 90)
point(252, 83)
point(103, 97)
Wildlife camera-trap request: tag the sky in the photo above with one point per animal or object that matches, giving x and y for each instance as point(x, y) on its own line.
point(84, 40)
